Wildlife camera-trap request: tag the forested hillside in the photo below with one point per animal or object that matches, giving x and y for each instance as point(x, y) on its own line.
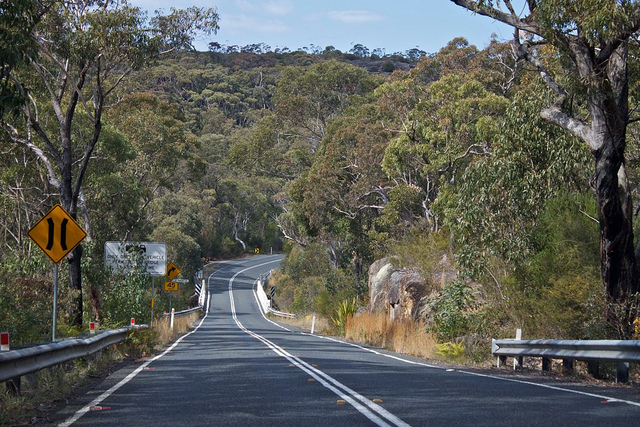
point(440, 162)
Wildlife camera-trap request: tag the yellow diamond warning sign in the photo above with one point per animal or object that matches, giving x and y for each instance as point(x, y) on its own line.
point(57, 234)
point(172, 271)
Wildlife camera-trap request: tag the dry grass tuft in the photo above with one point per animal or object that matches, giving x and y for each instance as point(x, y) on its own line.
point(322, 324)
point(181, 324)
point(406, 336)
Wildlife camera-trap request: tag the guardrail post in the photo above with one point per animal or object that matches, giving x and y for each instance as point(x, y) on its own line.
point(519, 360)
point(567, 365)
point(622, 372)
point(502, 360)
point(593, 367)
point(546, 364)
point(13, 386)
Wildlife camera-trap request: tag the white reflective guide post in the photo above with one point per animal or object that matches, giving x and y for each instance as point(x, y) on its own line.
point(127, 256)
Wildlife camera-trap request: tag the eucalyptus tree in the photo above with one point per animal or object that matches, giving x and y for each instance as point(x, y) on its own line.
point(85, 50)
point(18, 18)
point(308, 98)
point(581, 51)
point(337, 200)
point(160, 144)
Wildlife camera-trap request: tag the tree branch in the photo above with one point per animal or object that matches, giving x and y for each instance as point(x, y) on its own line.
point(511, 19)
point(574, 126)
point(51, 173)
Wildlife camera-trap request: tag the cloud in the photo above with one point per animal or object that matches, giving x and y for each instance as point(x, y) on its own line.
point(279, 7)
point(243, 24)
point(245, 5)
point(271, 7)
point(355, 16)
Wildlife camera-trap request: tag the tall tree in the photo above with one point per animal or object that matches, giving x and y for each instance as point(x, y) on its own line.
point(580, 48)
point(85, 49)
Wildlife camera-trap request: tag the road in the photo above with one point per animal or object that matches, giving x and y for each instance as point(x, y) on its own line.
point(240, 369)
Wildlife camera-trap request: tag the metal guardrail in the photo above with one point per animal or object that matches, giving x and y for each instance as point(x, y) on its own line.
point(594, 351)
point(16, 363)
point(281, 314)
point(184, 312)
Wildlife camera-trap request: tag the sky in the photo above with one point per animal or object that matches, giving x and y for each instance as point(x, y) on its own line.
point(395, 26)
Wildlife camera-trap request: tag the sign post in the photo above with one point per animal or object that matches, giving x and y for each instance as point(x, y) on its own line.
point(57, 234)
point(55, 301)
point(170, 287)
point(172, 272)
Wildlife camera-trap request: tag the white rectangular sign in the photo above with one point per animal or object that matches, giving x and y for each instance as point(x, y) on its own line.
point(126, 256)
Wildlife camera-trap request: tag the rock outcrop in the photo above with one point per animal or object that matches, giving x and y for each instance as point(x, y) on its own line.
point(395, 291)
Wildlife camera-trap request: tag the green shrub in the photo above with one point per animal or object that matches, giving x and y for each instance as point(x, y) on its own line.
point(126, 296)
point(454, 311)
point(307, 282)
point(141, 342)
point(26, 298)
point(451, 351)
point(305, 293)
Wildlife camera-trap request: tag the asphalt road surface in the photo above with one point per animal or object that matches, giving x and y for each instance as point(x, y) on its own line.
point(239, 369)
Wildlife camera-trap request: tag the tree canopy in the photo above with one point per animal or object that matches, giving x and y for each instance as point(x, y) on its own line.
point(581, 50)
point(472, 166)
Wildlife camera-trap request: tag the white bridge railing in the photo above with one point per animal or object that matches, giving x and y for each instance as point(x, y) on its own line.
point(265, 302)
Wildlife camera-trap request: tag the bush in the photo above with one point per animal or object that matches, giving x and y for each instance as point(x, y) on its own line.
point(307, 282)
point(301, 263)
point(305, 294)
point(454, 311)
point(26, 289)
point(125, 296)
point(451, 351)
point(388, 67)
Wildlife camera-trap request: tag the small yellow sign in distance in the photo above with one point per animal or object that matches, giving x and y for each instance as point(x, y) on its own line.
point(171, 286)
point(172, 271)
point(57, 234)
point(256, 250)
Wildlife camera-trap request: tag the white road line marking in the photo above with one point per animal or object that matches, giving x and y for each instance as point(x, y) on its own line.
point(366, 407)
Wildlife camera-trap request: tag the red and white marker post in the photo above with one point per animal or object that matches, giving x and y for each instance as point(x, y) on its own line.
point(4, 341)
